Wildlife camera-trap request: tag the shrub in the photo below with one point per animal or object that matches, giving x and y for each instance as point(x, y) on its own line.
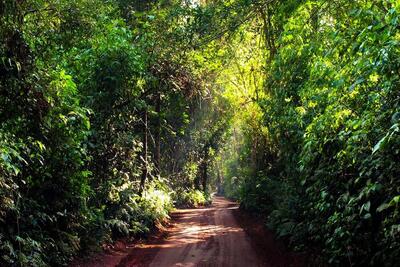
point(191, 198)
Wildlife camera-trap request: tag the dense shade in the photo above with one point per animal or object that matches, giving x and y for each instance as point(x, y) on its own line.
point(112, 112)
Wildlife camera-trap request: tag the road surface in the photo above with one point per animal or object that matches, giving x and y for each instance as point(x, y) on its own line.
point(200, 237)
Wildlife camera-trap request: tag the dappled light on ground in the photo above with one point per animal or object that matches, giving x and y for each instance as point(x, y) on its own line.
point(203, 237)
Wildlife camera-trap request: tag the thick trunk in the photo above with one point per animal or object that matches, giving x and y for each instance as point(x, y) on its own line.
point(197, 182)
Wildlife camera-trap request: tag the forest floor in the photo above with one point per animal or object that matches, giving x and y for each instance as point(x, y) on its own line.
point(218, 235)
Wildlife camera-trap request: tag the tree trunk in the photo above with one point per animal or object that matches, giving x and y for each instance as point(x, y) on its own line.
point(157, 154)
point(205, 176)
point(205, 169)
point(268, 33)
point(219, 180)
point(197, 181)
point(144, 153)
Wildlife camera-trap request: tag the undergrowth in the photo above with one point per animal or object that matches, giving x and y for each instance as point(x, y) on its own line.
point(191, 198)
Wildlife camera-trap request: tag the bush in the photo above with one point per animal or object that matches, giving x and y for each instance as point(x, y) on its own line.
point(191, 198)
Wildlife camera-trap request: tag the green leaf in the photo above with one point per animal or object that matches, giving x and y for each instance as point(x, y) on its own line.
point(383, 207)
point(366, 206)
point(379, 144)
point(367, 216)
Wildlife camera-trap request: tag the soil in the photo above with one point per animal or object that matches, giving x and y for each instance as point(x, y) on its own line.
point(218, 235)
point(263, 240)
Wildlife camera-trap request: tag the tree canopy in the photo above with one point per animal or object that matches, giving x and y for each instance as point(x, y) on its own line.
point(113, 112)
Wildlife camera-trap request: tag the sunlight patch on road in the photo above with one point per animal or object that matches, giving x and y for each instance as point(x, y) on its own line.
point(191, 234)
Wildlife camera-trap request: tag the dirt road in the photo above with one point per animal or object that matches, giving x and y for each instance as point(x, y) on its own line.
point(200, 237)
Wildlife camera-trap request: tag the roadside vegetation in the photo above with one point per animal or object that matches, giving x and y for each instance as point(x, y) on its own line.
point(114, 112)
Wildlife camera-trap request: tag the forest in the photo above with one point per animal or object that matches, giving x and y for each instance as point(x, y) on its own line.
point(114, 112)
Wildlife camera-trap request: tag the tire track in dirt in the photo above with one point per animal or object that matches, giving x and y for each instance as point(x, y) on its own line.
point(201, 237)
point(219, 235)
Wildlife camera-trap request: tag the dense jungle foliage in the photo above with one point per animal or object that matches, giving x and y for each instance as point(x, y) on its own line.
point(113, 112)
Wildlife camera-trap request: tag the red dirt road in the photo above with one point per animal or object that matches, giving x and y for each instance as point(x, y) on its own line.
point(210, 236)
point(200, 237)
